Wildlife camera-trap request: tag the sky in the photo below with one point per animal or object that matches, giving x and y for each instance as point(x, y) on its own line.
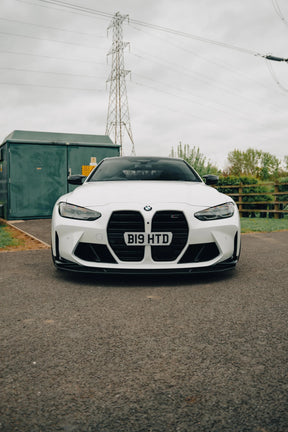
point(54, 69)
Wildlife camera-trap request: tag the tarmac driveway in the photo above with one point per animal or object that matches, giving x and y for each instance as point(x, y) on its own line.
point(83, 353)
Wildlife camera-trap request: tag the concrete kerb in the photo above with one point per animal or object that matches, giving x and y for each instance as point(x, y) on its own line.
point(14, 225)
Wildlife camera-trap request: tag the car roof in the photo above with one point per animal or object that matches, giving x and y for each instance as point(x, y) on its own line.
point(143, 158)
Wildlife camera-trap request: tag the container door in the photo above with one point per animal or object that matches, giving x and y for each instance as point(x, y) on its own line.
point(38, 176)
point(3, 181)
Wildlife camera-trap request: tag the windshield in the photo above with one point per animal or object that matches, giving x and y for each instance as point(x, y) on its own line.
point(141, 168)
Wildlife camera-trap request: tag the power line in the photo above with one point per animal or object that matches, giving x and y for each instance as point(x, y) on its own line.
point(221, 64)
point(174, 32)
point(210, 41)
point(149, 25)
point(78, 8)
point(194, 37)
point(42, 39)
point(49, 57)
point(193, 114)
point(189, 114)
point(172, 66)
point(46, 72)
point(273, 74)
point(50, 87)
point(170, 30)
point(78, 13)
point(279, 12)
point(51, 27)
point(107, 15)
point(220, 106)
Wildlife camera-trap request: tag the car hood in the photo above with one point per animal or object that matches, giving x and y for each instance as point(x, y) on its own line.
point(94, 194)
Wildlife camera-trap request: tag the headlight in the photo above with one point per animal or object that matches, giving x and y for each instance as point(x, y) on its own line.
point(72, 211)
point(222, 211)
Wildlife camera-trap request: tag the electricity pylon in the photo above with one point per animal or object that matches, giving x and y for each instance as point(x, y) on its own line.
point(118, 118)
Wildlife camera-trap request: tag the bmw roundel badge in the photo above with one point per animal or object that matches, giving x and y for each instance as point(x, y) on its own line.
point(147, 208)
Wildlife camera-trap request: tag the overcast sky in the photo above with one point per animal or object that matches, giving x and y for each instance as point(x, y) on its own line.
point(54, 68)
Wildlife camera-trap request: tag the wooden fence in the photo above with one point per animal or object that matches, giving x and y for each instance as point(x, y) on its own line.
point(271, 206)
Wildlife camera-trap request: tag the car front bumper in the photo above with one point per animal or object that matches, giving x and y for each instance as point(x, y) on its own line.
point(89, 246)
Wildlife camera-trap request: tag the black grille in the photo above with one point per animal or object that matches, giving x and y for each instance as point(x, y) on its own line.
point(119, 223)
point(170, 221)
point(94, 253)
point(200, 253)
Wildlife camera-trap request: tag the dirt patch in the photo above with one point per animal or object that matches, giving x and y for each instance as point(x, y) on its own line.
point(26, 242)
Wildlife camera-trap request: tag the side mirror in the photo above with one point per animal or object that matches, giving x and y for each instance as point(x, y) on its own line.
point(211, 179)
point(76, 179)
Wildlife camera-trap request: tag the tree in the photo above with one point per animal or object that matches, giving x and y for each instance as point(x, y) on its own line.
point(269, 166)
point(236, 163)
point(251, 162)
point(195, 158)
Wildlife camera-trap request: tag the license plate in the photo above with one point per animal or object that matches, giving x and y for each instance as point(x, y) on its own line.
point(148, 239)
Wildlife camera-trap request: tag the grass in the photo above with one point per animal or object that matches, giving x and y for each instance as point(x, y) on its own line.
point(6, 238)
point(263, 224)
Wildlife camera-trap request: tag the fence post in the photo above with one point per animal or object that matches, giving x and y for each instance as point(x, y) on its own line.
point(276, 205)
point(240, 191)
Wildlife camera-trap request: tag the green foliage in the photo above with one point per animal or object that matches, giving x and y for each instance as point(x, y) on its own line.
point(231, 181)
point(195, 158)
point(6, 239)
point(249, 163)
point(262, 191)
point(256, 163)
point(237, 180)
point(283, 188)
point(264, 194)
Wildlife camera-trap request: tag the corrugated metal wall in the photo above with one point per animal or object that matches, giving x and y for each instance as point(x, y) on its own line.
point(34, 175)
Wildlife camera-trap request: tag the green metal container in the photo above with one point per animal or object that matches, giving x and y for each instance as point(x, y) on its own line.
point(34, 167)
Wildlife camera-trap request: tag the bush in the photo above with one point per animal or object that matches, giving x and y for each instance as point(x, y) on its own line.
point(283, 188)
point(262, 190)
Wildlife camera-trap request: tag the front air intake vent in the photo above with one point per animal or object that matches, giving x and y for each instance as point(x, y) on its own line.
point(200, 253)
point(94, 253)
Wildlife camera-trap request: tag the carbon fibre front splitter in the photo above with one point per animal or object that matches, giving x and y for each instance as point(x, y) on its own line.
point(66, 265)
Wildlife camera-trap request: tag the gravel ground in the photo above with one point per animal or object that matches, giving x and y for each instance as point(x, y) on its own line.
point(81, 353)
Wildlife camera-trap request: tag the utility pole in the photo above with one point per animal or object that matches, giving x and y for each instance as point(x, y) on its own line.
point(118, 118)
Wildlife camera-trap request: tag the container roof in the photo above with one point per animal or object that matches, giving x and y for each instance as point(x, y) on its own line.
point(20, 136)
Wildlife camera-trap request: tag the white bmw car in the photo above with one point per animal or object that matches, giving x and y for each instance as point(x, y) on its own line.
point(145, 215)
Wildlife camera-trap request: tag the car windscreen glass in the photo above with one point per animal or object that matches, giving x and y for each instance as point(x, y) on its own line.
point(131, 169)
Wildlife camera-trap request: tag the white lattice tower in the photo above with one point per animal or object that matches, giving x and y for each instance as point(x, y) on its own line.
point(118, 117)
